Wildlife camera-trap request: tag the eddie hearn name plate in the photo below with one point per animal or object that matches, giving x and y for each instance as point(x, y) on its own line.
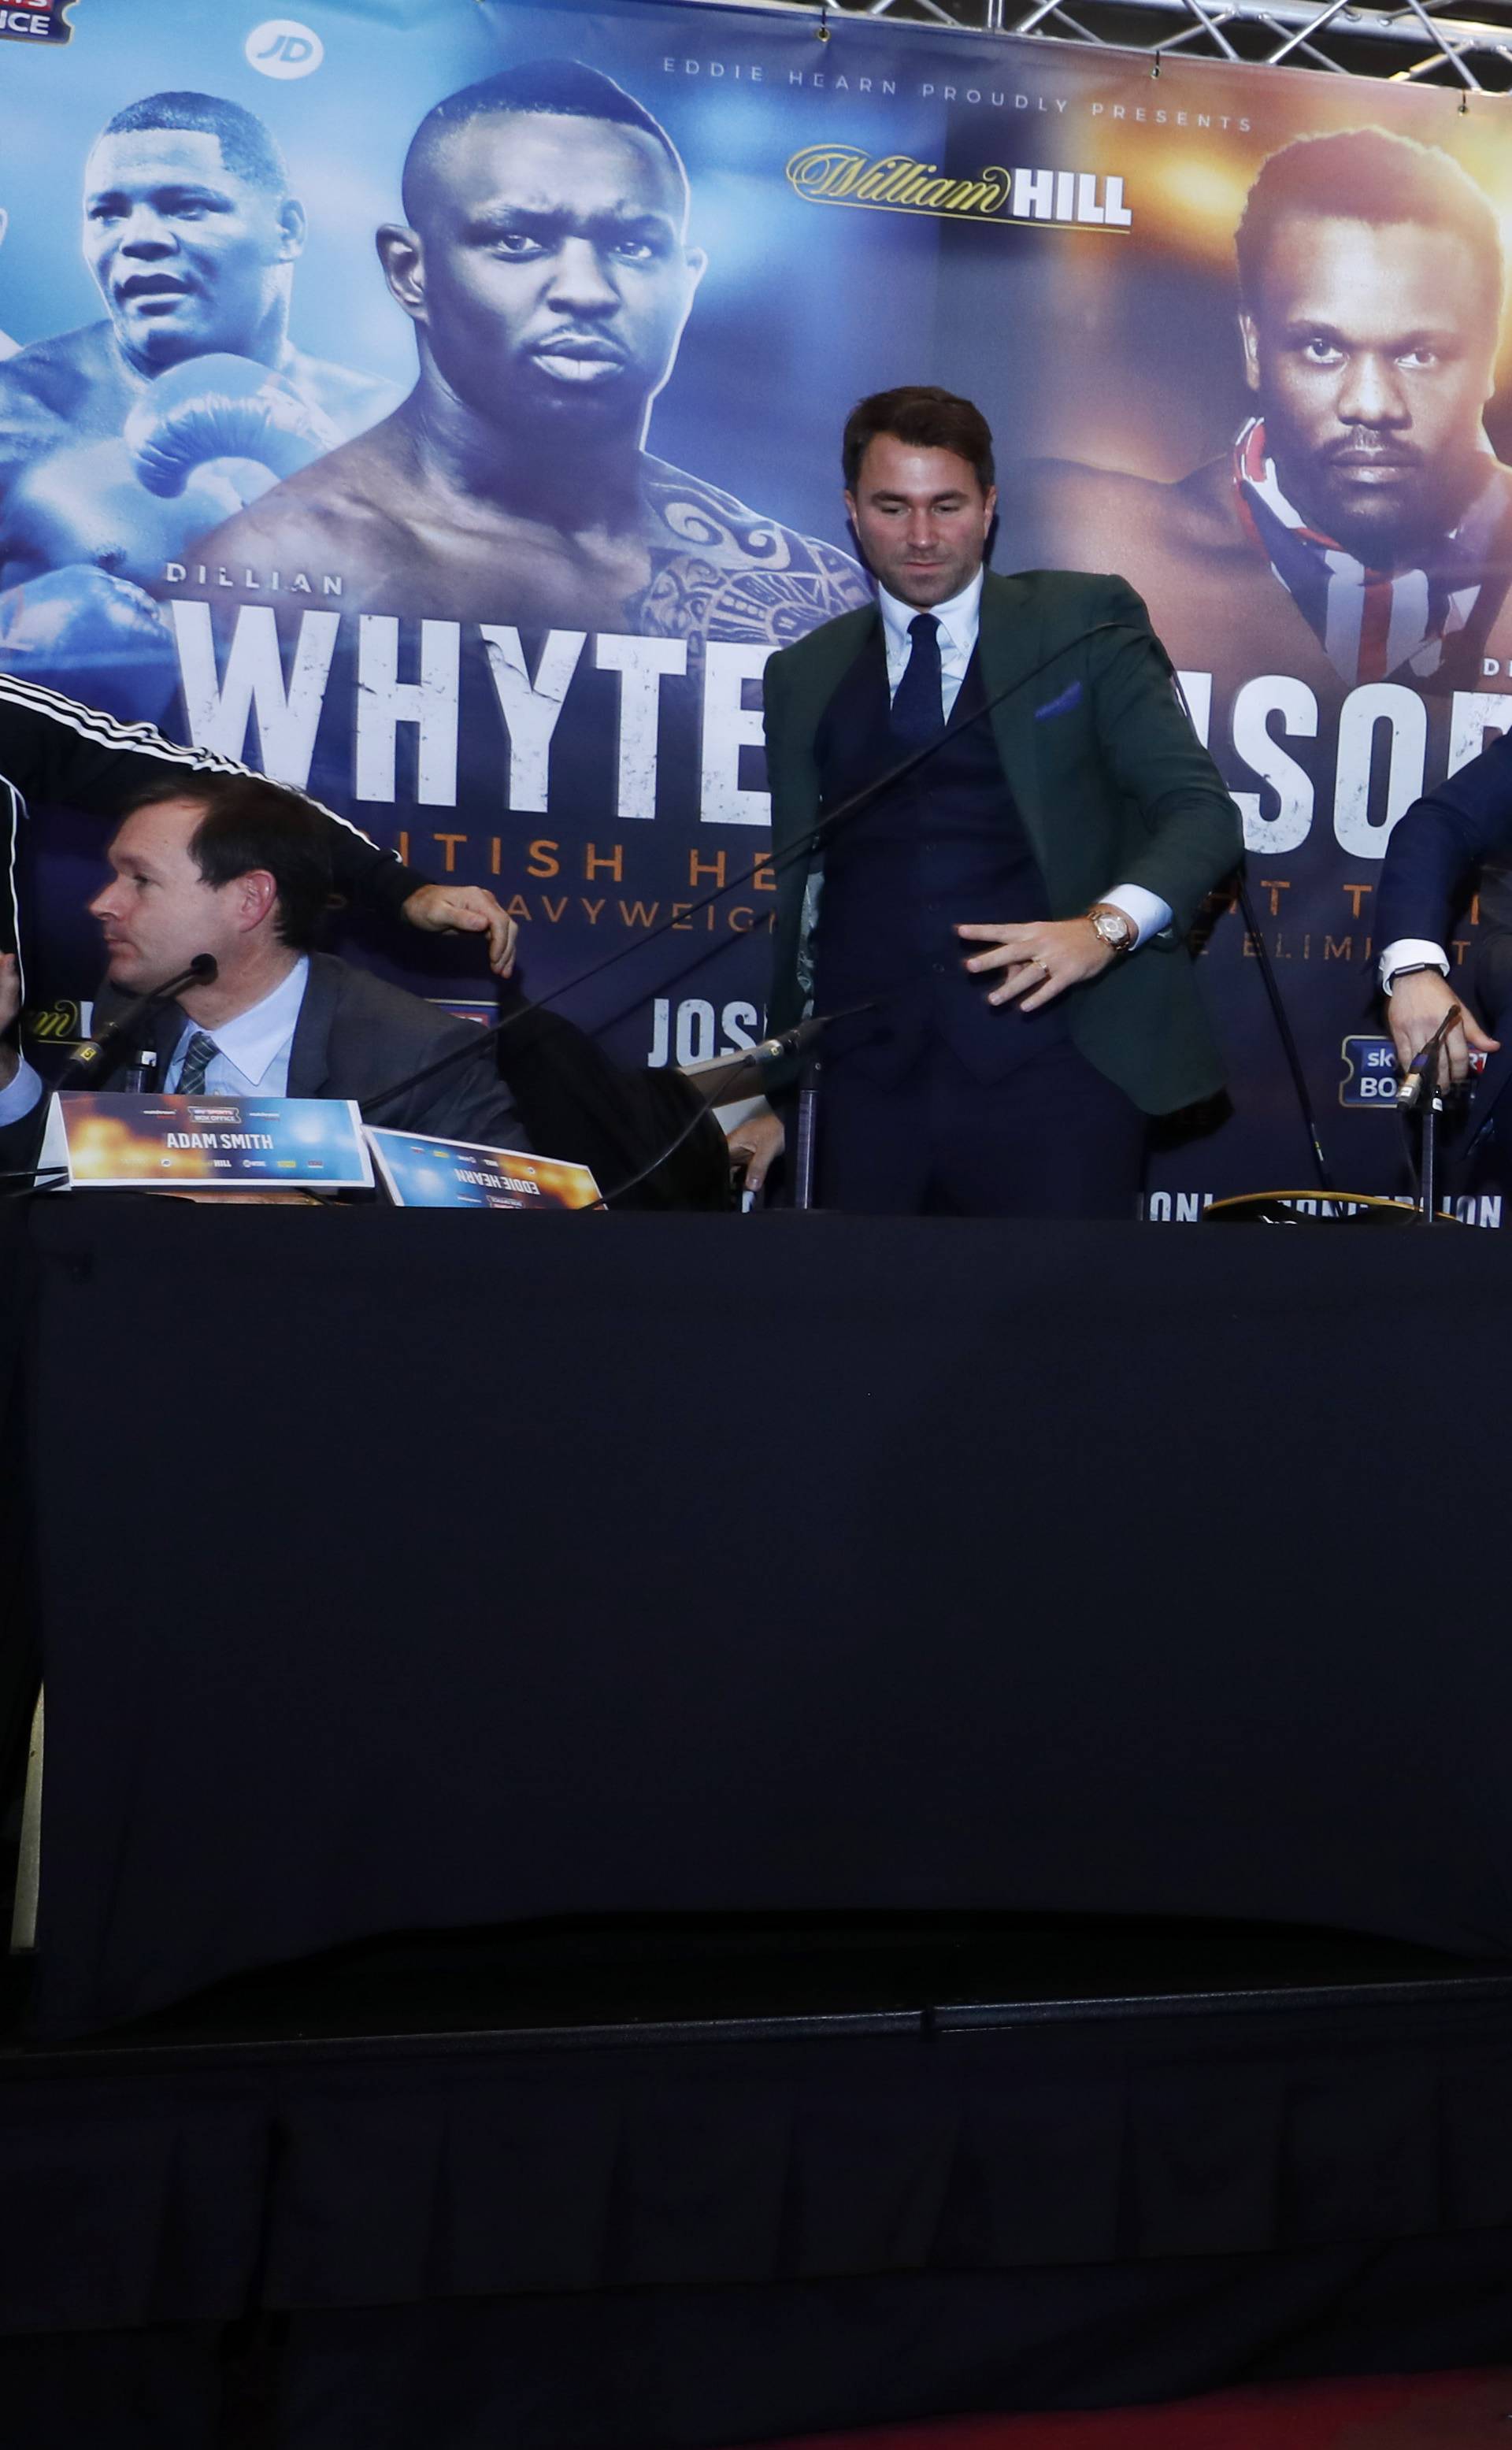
point(421, 1171)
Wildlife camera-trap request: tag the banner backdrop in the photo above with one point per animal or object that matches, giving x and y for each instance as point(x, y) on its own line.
point(527, 646)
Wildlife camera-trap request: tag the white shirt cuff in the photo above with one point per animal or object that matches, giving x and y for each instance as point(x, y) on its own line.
point(1148, 913)
point(1406, 953)
point(19, 1095)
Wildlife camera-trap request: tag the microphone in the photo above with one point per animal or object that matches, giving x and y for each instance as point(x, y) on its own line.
point(1423, 1072)
point(100, 1056)
point(797, 1040)
point(726, 1079)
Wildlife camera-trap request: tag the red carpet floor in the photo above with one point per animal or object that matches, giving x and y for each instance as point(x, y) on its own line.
point(1414, 2412)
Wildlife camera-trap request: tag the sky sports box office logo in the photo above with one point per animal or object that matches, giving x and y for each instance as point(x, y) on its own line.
point(900, 183)
point(42, 21)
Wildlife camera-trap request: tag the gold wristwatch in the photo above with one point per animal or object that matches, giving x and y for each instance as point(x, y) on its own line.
point(1114, 926)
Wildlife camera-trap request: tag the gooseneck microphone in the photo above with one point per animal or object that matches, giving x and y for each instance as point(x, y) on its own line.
point(1423, 1074)
point(797, 1040)
point(103, 1053)
point(744, 1074)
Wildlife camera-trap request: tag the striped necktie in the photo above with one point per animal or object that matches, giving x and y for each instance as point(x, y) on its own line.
point(198, 1057)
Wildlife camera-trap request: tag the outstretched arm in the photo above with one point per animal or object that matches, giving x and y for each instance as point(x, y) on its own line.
point(51, 747)
point(1432, 849)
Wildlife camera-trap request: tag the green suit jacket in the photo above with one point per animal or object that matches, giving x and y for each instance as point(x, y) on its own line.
point(1111, 784)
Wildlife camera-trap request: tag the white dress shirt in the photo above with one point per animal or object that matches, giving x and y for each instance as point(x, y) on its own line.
point(959, 618)
point(252, 1056)
point(1409, 952)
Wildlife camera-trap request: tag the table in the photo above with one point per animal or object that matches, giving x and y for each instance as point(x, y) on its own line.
point(397, 1570)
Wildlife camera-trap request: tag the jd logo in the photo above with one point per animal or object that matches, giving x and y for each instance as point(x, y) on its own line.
point(280, 47)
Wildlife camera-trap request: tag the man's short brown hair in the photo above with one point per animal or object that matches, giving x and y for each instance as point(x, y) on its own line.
point(250, 821)
point(924, 417)
point(1368, 174)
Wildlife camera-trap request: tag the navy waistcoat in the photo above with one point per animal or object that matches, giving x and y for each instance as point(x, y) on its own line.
point(947, 844)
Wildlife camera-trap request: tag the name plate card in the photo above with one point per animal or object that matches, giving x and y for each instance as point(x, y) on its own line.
point(420, 1171)
point(105, 1141)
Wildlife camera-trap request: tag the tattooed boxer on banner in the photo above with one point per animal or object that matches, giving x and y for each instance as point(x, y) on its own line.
point(546, 267)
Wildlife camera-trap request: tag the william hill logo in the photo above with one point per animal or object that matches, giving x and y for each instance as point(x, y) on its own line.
point(56, 1025)
point(896, 182)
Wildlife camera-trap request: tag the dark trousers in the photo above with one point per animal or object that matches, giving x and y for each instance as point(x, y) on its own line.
point(1051, 1138)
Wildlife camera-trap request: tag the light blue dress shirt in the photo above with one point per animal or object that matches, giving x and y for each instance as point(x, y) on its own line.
point(253, 1047)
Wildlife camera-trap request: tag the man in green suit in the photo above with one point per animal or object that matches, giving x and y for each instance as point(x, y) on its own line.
point(1014, 913)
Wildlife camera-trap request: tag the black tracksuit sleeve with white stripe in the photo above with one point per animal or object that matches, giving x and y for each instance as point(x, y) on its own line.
point(53, 749)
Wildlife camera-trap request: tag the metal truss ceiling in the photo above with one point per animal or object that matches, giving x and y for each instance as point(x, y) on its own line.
point(1403, 41)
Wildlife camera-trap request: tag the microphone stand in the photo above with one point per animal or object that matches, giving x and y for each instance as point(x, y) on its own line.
point(722, 1084)
point(1421, 1096)
point(805, 1137)
point(745, 1077)
point(1428, 1168)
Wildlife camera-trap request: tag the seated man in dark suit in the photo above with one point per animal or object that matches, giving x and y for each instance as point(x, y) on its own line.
point(238, 867)
point(1430, 857)
point(1437, 845)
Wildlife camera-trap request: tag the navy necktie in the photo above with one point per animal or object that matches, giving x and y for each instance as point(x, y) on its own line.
point(917, 707)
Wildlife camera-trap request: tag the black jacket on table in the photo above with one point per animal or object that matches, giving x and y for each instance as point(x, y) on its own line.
point(356, 1036)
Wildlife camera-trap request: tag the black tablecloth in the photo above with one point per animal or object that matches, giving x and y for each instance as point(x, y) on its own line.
point(398, 1569)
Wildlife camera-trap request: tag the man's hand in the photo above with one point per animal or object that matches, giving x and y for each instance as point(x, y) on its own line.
point(1042, 957)
point(9, 1006)
point(1414, 1010)
point(758, 1141)
point(468, 911)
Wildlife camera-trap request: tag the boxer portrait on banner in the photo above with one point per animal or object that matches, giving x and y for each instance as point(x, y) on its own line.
point(1360, 527)
point(123, 438)
point(1013, 914)
point(545, 264)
